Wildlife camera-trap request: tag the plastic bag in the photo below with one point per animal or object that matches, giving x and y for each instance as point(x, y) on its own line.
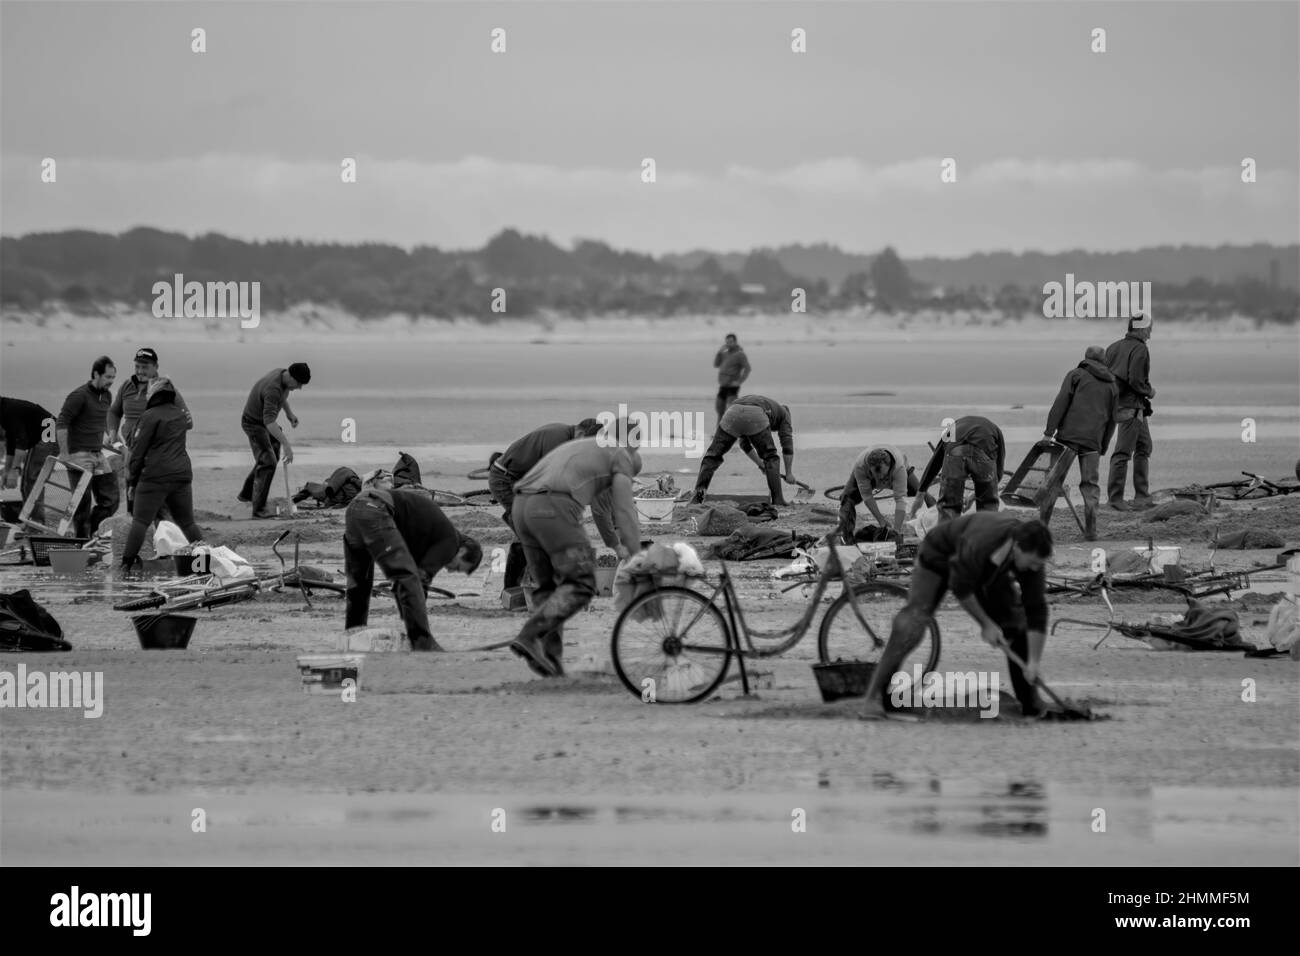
point(225, 564)
point(1284, 626)
point(925, 520)
point(688, 560)
point(168, 539)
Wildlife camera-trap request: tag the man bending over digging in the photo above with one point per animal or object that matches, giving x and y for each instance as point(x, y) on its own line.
point(981, 557)
point(411, 540)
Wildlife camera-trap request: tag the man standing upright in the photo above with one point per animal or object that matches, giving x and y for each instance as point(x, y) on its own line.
point(548, 508)
point(25, 428)
point(270, 394)
point(733, 369)
point(751, 420)
point(1083, 419)
point(1130, 361)
point(517, 461)
point(81, 431)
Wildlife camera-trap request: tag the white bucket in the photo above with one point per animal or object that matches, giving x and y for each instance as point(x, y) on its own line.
point(325, 673)
point(655, 509)
point(1293, 576)
point(1160, 557)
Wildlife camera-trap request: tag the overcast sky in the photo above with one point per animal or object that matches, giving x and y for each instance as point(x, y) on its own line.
point(1056, 147)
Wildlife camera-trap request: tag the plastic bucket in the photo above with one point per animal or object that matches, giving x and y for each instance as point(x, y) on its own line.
point(843, 679)
point(655, 509)
point(605, 581)
point(68, 560)
point(164, 631)
point(325, 673)
point(1293, 576)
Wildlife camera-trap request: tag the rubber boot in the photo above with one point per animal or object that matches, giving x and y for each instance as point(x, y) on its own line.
point(1089, 523)
point(515, 565)
point(1141, 486)
point(773, 472)
point(1115, 484)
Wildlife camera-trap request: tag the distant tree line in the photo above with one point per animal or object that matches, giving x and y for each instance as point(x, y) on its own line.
point(86, 270)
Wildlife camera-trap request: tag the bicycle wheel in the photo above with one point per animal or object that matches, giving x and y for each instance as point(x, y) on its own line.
point(141, 603)
point(843, 637)
point(675, 639)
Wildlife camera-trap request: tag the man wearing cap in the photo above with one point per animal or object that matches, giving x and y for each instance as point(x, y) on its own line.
point(516, 462)
point(547, 514)
point(131, 402)
point(1083, 419)
point(81, 431)
point(408, 536)
point(28, 435)
point(1130, 362)
point(976, 450)
point(878, 468)
point(751, 419)
point(270, 394)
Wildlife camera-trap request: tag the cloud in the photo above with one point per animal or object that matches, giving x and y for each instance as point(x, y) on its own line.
point(1002, 203)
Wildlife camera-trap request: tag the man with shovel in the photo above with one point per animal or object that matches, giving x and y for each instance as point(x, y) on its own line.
point(517, 461)
point(981, 557)
point(403, 532)
point(269, 395)
point(751, 420)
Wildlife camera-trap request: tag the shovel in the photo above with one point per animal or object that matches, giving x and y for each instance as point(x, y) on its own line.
point(1072, 713)
point(290, 507)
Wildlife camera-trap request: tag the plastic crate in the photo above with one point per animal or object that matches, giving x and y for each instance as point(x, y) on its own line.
point(41, 544)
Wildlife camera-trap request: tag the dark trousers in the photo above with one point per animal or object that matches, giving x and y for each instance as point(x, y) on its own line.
point(266, 455)
point(36, 456)
point(1000, 601)
point(760, 442)
point(1132, 441)
point(726, 395)
point(959, 463)
point(502, 486)
point(370, 537)
point(150, 498)
point(103, 489)
point(561, 561)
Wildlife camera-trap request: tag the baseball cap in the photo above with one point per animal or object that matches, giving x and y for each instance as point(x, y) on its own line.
point(146, 355)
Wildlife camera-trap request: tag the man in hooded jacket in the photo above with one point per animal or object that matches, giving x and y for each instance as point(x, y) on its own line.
point(1083, 419)
point(159, 470)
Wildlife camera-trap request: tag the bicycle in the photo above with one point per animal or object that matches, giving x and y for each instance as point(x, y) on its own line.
point(1254, 487)
point(690, 644)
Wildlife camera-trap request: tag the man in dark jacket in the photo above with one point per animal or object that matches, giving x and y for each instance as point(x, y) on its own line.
point(130, 404)
point(408, 536)
point(81, 431)
point(1083, 419)
point(517, 461)
point(27, 430)
point(976, 450)
point(158, 471)
point(733, 368)
point(993, 564)
point(751, 420)
point(1130, 361)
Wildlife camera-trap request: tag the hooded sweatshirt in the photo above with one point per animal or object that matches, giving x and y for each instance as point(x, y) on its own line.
point(158, 452)
point(1083, 415)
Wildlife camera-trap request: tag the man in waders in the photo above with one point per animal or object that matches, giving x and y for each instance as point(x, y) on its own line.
point(517, 461)
point(751, 419)
point(411, 540)
point(976, 450)
point(1083, 419)
point(993, 564)
point(1130, 361)
point(549, 504)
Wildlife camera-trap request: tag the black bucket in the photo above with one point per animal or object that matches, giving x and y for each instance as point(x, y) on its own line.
point(164, 631)
point(843, 679)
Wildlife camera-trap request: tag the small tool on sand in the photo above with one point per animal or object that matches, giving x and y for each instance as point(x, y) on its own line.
point(1083, 712)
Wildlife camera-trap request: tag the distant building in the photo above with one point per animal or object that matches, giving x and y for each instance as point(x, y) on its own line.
point(753, 288)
